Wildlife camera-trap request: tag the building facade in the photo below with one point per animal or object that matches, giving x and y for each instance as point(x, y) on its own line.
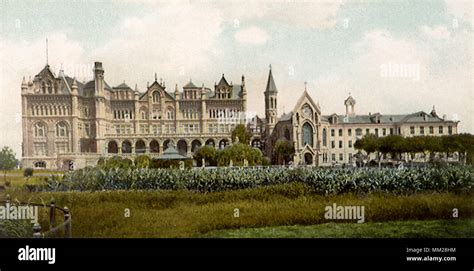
point(328, 140)
point(68, 124)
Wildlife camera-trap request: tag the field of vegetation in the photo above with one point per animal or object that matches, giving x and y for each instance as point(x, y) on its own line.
point(184, 213)
point(323, 181)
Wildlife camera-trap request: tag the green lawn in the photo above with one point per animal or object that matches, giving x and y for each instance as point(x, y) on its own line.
point(189, 214)
point(453, 228)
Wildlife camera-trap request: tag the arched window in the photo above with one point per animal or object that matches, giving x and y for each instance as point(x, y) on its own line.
point(287, 134)
point(195, 145)
point(143, 115)
point(156, 97)
point(112, 147)
point(40, 164)
point(170, 113)
point(140, 146)
point(126, 147)
point(324, 137)
point(50, 87)
point(61, 129)
point(40, 129)
point(307, 134)
point(154, 146)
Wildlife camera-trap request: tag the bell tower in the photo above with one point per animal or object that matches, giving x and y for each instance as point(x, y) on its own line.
point(271, 111)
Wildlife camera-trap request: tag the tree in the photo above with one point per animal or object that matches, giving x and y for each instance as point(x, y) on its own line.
point(142, 161)
point(414, 145)
point(393, 144)
point(239, 152)
point(209, 153)
point(242, 133)
point(449, 144)
point(464, 145)
point(368, 143)
point(7, 161)
point(284, 151)
point(432, 145)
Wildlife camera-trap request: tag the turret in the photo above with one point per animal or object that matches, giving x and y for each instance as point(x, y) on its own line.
point(350, 106)
point(99, 79)
point(24, 86)
point(271, 93)
point(176, 92)
point(74, 87)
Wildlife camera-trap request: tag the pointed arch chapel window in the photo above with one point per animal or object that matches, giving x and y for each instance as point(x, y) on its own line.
point(307, 134)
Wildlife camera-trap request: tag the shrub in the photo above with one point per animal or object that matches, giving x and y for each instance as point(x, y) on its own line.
point(142, 161)
point(157, 163)
point(239, 152)
point(209, 153)
point(28, 172)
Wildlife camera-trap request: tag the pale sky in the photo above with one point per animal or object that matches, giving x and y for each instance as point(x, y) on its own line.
point(338, 47)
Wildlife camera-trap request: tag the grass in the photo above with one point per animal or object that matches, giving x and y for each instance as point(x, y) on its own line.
point(452, 228)
point(19, 181)
point(41, 171)
point(188, 214)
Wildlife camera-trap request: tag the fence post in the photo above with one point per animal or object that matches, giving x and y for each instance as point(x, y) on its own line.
point(52, 215)
point(68, 225)
point(37, 231)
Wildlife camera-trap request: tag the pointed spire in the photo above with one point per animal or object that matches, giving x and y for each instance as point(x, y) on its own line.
point(305, 86)
point(156, 77)
point(61, 71)
point(74, 86)
point(23, 83)
point(47, 60)
point(271, 87)
point(29, 81)
point(136, 87)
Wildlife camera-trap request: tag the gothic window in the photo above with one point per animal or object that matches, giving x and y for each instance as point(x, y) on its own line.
point(62, 147)
point(143, 115)
point(50, 87)
point(170, 113)
point(40, 129)
point(307, 134)
point(324, 137)
point(156, 97)
point(287, 134)
point(61, 129)
point(43, 87)
point(87, 128)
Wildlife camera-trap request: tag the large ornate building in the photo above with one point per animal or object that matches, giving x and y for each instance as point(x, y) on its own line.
point(69, 124)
